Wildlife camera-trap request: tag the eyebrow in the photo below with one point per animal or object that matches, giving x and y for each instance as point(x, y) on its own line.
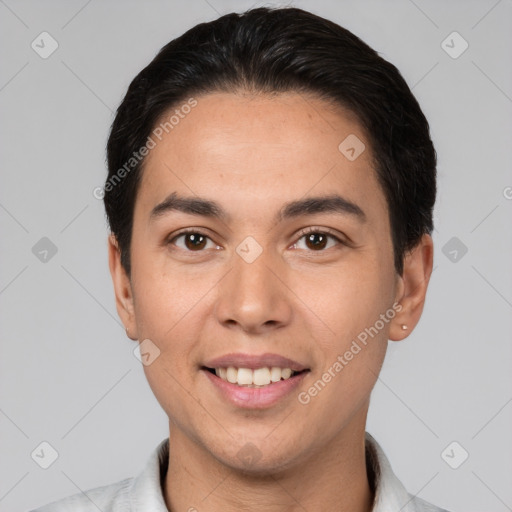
point(309, 206)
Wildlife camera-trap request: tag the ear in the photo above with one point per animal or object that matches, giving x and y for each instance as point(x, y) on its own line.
point(122, 288)
point(412, 287)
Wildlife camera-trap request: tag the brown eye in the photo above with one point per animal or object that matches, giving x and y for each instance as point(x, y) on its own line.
point(192, 241)
point(316, 240)
point(195, 241)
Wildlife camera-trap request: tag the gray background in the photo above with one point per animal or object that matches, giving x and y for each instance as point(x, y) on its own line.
point(68, 375)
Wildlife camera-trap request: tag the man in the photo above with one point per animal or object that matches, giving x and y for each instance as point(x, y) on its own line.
point(270, 193)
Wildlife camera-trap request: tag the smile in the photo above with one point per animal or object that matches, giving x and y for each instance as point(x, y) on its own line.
point(253, 378)
point(252, 381)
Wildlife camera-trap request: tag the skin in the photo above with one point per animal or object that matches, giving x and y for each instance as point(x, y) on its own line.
point(252, 154)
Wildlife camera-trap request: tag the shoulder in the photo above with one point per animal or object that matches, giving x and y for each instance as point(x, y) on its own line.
point(420, 505)
point(390, 494)
point(109, 498)
point(138, 494)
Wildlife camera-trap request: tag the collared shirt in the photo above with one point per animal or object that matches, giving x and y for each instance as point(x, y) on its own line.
point(144, 493)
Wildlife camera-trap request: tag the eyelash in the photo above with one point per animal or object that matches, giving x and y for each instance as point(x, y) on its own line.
point(302, 234)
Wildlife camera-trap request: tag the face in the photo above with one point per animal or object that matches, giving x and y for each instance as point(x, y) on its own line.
point(259, 245)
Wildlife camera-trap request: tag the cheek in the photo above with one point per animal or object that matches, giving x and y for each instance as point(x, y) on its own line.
point(170, 309)
point(165, 297)
point(172, 389)
point(350, 303)
point(163, 310)
point(351, 351)
point(338, 395)
point(167, 321)
point(348, 297)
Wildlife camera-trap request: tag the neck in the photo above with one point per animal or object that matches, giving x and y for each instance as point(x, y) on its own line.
point(333, 479)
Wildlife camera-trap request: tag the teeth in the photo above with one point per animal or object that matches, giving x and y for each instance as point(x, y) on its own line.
point(244, 377)
point(286, 373)
point(260, 377)
point(275, 374)
point(253, 378)
point(231, 375)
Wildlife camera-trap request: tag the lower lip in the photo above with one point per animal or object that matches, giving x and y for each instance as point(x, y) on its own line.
point(255, 398)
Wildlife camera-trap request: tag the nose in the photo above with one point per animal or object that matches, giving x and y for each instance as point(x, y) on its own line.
point(253, 297)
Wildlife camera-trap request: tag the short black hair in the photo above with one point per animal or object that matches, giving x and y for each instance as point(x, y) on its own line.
point(273, 50)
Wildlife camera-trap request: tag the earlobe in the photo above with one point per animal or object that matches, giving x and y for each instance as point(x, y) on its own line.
point(122, 288)
point(412, 288)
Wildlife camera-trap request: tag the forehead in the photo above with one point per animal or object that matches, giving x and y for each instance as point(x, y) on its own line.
point(239, 147)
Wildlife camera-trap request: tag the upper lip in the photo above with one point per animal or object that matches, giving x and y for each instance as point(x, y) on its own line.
point(253, 362)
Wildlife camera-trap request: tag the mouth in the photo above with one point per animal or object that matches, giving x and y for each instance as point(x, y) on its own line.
point(254, 378)
point(259, 370)
point(253, 382)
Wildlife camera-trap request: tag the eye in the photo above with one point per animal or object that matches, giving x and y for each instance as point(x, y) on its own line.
point(193, 240)
point(313, 239)
point(317, 240)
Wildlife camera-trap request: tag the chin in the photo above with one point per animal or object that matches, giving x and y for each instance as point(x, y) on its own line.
point(259, 458)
